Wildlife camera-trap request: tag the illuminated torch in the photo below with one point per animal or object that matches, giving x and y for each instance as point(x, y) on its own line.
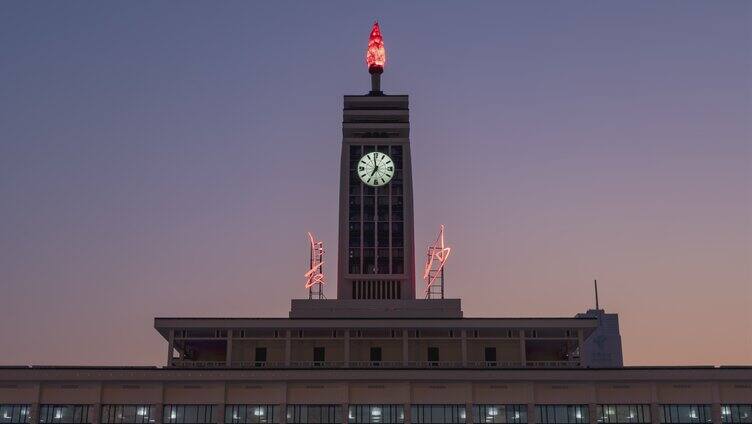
point(376, 58)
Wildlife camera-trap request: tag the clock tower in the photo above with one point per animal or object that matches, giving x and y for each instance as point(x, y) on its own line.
point(376, 251)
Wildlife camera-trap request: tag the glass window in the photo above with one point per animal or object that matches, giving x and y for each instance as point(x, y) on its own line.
point(64, 414)
point(562, 414)
point(355, 155)
point(397, 208)
point(438, 414)
point(736, 414)
point(369, 239)
point(313, 414)
point(397, 234)
point(354, 261)
point(15, 414)
point(398, 263)
point(362, 414)
point(382, 206)
point(685, 414)
point(188, 414)
point(245, 414)
point(128, 414)
point(623, 414)
point(369, 265)
point(513, 414)
point(354, 209)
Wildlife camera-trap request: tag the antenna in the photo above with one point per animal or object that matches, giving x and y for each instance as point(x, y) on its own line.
point(433, 273)
point(315, 275)
point(595, 283)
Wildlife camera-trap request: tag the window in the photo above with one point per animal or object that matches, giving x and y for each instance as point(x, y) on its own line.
point(512, 414)
point(251, 414)
point(188, 414)
point(562, 414)
point(375, 354)
point(313, 414)
point(364, 414)
point(260, 356)
point(685, 414)
point(433, 354)
point(736, 414)
point(15, 414)
point(64, 414)
point(490, 355)
point(623, 414)
point(319, 354)
point(128, 414)
point(438, 414)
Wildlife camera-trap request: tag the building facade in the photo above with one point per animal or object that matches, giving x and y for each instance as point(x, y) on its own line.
point(378, 354)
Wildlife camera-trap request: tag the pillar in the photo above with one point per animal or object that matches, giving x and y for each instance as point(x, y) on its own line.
point(581, 346)
point(218, 414)
point(347, 348)
point(228, 358)
point(405, 349)
point(288, 352)
point(34, 413)
point(523, 353)
point(593, 413)
point(170, 346)
point(464, 348)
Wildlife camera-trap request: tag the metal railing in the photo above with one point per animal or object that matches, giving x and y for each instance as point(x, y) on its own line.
point(181, 363)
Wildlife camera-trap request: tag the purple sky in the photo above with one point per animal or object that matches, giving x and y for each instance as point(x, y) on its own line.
point(166, 159)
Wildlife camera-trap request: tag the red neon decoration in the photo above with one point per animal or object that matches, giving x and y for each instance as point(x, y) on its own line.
point(315, 275)
point(376, 53)
point(435, 261)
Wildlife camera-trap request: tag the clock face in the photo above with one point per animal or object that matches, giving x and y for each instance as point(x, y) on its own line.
point(375, 169)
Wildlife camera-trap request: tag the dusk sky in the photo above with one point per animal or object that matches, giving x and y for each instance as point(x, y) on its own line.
point(166, 159)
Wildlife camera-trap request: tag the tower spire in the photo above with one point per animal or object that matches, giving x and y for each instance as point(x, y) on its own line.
point(376, 58)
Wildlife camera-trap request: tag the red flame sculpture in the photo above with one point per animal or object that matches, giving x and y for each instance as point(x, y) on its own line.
point(376, 53)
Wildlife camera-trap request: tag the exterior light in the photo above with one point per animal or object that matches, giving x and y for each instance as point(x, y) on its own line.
point(578, 414)
point(376, 53)
point(493, 412)
point(516, 415)
point(376, 412)
point(58, 414)
point(258, 412)
point(173, 415)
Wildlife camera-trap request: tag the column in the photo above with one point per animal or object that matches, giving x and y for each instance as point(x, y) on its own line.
point(158, 413)
point(581, 346)
point(593, 413)
point(170, 346)
point(655, 408)
point(228, 358)
point(408, 413)
point(715, 408)
point(523, 354)
point(345, 413)
point(464, 348)
point(405, 349)
point(218, 414)
point(288, 352)
point(532, 417)
point(34, 413)
point(469, 412)
point(347, 348)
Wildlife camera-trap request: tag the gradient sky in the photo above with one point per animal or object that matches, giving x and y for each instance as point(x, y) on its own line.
point(166, 159)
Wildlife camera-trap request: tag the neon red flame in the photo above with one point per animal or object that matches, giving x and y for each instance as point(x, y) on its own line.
point(376, 53)
point(439, 253)
point(315, 275)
